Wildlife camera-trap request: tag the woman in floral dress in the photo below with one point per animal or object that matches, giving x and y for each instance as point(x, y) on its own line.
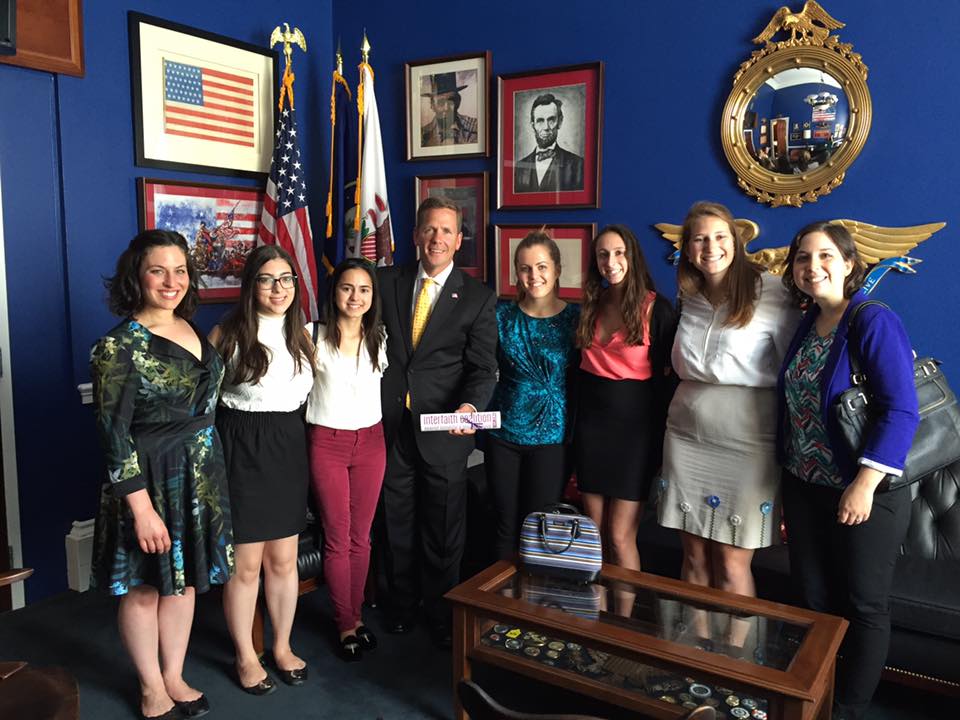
point(163, 531)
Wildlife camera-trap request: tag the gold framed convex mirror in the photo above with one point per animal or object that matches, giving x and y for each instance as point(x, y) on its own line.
point(799, 112)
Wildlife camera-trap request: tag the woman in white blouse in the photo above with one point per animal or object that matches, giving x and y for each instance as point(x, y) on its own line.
point(269, 372)
point(720, 480)
point(347, 453)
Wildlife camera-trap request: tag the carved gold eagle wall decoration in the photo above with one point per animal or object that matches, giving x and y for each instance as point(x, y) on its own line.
point(883, 248)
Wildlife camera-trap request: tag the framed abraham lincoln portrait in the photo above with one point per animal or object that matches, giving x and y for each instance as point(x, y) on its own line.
point(447, 111)
point(550, 130)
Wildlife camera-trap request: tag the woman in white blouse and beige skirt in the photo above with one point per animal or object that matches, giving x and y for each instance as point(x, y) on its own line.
point(720, 481)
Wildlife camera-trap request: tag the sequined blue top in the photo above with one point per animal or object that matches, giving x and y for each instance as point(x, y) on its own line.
point(533, 355)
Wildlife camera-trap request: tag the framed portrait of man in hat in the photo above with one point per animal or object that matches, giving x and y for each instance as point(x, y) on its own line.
point(447, 113)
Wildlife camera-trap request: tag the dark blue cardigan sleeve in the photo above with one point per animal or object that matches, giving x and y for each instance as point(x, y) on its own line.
point(886, 358)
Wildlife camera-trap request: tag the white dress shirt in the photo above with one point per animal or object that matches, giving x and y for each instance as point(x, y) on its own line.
point(543, 165)
point(708, 351)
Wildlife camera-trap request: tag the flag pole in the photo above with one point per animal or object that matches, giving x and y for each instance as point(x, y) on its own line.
point(364, 65)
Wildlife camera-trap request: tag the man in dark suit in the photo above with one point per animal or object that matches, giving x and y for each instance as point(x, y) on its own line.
point(441, 350)
point(549, 168)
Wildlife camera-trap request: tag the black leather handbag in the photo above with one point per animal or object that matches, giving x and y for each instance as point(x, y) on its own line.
point(937, 442)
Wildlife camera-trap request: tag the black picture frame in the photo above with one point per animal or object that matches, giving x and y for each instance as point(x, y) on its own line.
point(231, 160)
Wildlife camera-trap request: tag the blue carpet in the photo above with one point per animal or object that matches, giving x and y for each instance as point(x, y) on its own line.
point(406, 677)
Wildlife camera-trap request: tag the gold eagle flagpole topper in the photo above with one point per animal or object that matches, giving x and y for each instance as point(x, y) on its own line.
point(289, 38)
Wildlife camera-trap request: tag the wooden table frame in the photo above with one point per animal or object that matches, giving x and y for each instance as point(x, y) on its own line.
point(803, 692)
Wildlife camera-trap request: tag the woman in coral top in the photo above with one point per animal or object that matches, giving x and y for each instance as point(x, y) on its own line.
point(625, 335)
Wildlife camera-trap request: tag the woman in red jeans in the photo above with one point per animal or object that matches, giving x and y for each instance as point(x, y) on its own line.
point(347, 454)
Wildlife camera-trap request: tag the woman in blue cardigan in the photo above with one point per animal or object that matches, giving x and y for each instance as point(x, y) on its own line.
point(843, 535)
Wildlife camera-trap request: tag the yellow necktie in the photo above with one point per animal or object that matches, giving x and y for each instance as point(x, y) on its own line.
point(421, 313)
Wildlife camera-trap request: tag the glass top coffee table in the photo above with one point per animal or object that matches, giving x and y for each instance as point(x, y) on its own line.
point(651, 644)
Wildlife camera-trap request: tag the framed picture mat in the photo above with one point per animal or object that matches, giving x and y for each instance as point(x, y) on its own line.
point(579, 135)
point(573, 240)
point(202, 102)
point(419, 75)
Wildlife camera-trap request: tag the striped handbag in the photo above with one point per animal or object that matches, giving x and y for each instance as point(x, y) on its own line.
point(559, 542)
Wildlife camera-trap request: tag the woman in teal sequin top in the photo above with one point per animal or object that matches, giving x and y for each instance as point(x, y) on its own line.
point(526, 458)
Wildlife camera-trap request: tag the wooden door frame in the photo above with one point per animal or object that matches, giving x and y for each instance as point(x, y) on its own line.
point(11, 495)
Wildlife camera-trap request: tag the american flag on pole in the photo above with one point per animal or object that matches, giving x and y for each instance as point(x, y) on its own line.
point(207, 104)
point(285, 220)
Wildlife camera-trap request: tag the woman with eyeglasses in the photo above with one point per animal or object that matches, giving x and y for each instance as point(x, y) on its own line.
point(347, 452)
point(269, 361)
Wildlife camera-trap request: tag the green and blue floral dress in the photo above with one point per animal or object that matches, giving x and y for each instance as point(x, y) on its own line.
point(154, 404)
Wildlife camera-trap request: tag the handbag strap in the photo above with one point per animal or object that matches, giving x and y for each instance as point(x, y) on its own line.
point(561, 509)
point(574, 534)
point(853, 342)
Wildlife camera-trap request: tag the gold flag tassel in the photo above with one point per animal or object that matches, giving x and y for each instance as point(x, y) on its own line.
point(337, 78)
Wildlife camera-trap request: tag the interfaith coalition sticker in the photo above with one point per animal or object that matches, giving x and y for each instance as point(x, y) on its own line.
point(430, 422)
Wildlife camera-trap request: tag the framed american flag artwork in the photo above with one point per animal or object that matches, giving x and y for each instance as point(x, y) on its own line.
point(201, 102)
point(219, 222)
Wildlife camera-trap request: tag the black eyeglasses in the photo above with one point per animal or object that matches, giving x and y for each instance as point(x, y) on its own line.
point(268, 282)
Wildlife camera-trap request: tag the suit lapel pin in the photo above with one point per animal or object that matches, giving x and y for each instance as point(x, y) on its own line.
point(454, 296)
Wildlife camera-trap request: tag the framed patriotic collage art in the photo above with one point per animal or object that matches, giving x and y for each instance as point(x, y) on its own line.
point(468, 191)
point(201, 102)
point(219, 222)
point(573, 240)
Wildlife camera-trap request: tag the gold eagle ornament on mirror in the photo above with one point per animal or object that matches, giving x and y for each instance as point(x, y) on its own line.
point(803, 23)
point(885, 248)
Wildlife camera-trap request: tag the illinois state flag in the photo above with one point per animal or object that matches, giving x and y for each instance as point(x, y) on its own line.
point(285, 220)
point(373, 230)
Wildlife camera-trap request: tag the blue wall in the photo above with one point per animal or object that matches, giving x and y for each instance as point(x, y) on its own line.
point(69, 202)
point(66, 154)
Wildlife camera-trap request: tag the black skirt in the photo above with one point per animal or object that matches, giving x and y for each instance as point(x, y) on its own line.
point(613, 442)
point(267, 472)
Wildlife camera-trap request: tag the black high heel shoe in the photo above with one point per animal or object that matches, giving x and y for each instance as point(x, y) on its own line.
point(368, 641)
point(350, 649)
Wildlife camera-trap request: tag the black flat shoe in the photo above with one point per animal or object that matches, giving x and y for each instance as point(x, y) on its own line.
point(173, 713)
point(368, 641)
point(194, 708)
point(264, 687)
point(295, 677)
point(350, 649)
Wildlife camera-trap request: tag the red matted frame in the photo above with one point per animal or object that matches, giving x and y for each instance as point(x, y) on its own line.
point(469, 192)
point(219, 222)
point(580, 88)
point(573, 239)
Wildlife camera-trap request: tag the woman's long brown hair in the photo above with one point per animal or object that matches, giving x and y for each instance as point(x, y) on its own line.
point(741, 283)
point(638, 283)
point(238, 331)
